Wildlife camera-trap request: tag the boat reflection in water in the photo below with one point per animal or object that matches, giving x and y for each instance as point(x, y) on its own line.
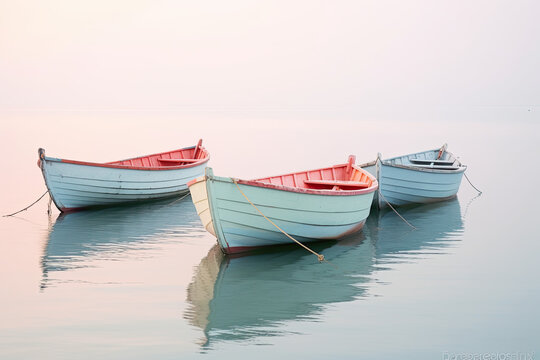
point(77, 239)
point(235, 299)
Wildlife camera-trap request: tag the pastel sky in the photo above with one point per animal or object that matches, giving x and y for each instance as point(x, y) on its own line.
point(65, 54)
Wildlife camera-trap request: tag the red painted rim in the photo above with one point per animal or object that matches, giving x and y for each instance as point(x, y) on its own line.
point(125, 167)
point(309, 191)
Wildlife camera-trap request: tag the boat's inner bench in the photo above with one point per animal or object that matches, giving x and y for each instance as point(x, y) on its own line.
point(335, 184)
point(172, 162)
point(433, 164)
point(431, 161)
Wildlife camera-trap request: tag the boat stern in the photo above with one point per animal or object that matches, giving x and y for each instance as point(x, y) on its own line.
point(199, 196)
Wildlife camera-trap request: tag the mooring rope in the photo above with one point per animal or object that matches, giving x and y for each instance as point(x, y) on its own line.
point(469, 204)
point(475, 188)
point(319, 256)
point(391, 207)
point(29, 206)
point(177, 200)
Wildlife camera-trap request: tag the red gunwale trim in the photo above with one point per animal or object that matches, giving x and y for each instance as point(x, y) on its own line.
point(370, 189)
point(191, 182)
point(125, 167)
point(129, 167)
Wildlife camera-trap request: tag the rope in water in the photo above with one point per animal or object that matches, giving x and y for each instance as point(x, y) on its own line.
point(469, 204)
point(177, 200)
point(386, 201)
point(49, 210)
point(319, 256)
point(391, 207)
point(29, 206)
point(475, 188)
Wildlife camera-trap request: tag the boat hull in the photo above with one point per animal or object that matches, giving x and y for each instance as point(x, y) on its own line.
point(371, 168)
point(77, 186)
point(239, 227)
point(402, 185)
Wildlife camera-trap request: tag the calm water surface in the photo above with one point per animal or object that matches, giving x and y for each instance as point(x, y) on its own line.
point(146, 281)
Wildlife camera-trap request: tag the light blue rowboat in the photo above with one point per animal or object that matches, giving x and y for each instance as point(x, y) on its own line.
point(312, 205)
point(75, 185)
point(423, 177)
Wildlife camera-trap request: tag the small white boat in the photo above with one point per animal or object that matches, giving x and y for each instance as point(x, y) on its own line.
point(419, 178)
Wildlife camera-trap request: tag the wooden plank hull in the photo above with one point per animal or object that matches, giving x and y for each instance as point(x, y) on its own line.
point(371, 168)
point(402, 186)
point(306, 216)
point(78, 186)
point(75, 185)
point(402, 181)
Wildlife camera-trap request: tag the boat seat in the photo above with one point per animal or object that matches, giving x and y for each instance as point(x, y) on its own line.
point(176, 161)
point(345, 185)
point(432, 161)
point(439, 167)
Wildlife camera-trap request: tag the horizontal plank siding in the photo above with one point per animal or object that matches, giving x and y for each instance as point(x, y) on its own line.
point(401, 186)
point(80, 186)
point(308, 217)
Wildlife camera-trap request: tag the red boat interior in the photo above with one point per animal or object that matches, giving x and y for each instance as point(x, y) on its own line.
point(338, 177)
point(167, 159)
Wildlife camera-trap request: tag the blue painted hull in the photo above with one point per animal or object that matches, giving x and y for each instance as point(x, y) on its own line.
point(76, 186)
point(402, 186)
point(371, 168)
point(403, 182)
point(307, 217)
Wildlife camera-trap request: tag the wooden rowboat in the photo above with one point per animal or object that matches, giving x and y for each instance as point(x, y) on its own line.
point(309, 205)
point(75, 185)
point(418, 178)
